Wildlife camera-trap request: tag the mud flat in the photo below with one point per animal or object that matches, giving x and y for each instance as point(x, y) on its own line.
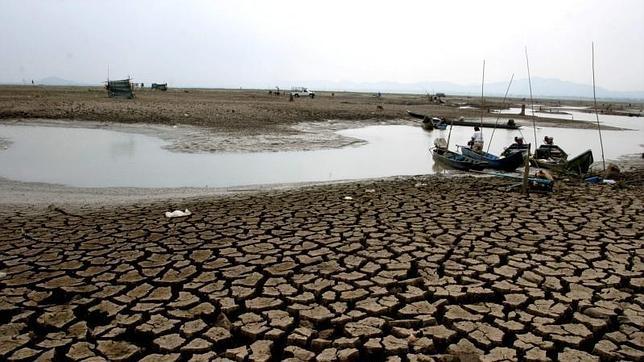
point(415, 268)
point(303, 136)
point(239, 112)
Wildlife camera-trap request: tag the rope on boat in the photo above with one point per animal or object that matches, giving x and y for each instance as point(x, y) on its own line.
point(499, 114)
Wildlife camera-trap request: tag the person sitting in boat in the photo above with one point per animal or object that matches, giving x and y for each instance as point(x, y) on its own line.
point(476, 143)
point(549, 151)
point(518, 146)
point(518, 142)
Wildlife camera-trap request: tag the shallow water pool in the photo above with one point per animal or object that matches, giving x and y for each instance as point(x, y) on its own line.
point(103, 158)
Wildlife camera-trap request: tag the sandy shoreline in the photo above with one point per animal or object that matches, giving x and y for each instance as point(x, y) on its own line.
point(18, 194)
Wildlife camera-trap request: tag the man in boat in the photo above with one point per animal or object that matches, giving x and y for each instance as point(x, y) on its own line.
point(518, 146)
point(518, 142)
point(550, 151)
point(477, 140)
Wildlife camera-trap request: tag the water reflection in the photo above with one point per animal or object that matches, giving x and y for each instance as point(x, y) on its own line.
point(125, 148)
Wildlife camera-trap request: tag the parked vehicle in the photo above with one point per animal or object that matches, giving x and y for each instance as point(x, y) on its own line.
point(302, 92)
point(160, 86)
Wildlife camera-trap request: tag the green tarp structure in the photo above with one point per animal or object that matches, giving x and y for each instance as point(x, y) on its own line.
point(120, 88)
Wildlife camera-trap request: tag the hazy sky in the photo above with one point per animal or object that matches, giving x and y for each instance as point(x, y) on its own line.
point(264, 43)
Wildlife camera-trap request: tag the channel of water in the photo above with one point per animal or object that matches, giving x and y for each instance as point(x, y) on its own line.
point(103, 158)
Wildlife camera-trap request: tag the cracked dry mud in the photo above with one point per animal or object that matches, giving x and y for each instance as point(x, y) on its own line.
point(447, 269)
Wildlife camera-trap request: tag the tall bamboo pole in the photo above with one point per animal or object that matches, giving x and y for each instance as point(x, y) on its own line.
point(534, 125)
point(499, 115)
point(599, 129)
point(482, 96)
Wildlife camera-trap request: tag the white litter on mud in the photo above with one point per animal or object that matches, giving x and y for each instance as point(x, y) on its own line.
point(178, 213)
point(2, 275)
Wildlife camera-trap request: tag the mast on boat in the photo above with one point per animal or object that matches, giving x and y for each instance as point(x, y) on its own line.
point(601, 142)
point(499, 114)
point(482, 96)
point(526, 170)
point(534, 125)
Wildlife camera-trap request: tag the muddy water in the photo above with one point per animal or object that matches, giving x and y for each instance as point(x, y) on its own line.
point(102, 158)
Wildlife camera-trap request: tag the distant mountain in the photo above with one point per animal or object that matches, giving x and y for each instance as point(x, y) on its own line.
point(58, 81)
point(541, 87)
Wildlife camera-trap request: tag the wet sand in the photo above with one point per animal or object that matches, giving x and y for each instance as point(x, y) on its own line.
point(418, 267)
point(304, 136)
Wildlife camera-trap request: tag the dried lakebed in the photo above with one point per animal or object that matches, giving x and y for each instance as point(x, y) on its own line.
point(422, 268)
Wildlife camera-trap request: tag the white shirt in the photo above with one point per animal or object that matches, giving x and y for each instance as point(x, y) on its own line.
point(478, 136)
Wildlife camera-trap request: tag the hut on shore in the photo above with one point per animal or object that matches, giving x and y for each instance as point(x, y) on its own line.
point(120, 88)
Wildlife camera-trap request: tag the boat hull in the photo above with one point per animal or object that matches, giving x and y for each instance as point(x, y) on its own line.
point(466, 123)
point(578, 165)
point(457, 161)
point(433, 123)
point(509, 163)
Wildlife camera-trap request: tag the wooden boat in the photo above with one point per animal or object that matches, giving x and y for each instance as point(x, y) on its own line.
point(578, 165)
point(456, 160)
point(514, 148)
point(427, 124)
point(551, 152)
point(458, 122)
point(509, 163)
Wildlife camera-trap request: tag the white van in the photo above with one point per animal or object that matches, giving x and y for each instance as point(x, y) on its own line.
point(302, 92)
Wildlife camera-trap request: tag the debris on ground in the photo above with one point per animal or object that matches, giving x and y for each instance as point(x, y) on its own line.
point(178, 213)
point(612, 172)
